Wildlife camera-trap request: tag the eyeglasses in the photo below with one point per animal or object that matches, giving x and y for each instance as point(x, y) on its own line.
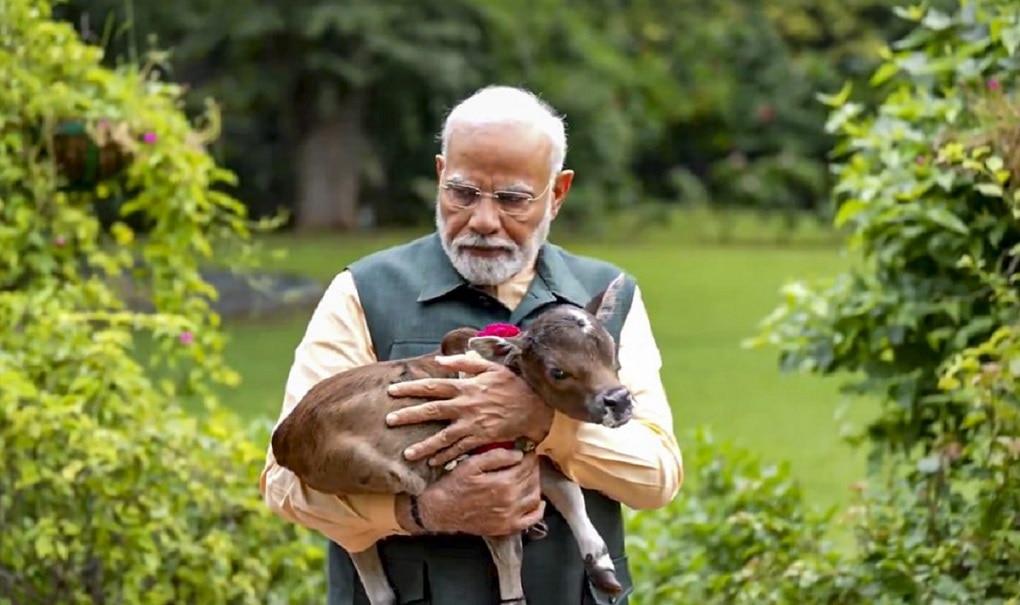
point(512, 203)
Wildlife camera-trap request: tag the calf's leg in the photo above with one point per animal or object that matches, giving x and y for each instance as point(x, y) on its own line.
point(508, 555)
point(567, 497)
point(373, 577)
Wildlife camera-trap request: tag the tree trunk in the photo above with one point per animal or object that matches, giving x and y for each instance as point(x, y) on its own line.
point(329, 168)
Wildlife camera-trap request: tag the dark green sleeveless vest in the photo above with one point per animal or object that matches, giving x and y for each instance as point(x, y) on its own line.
point(412, 296)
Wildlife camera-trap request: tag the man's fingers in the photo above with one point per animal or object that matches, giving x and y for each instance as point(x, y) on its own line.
point(423, 412)
point(432, 388)
point(463, 446)
point(471, 364)
point(496, 459)
point(443, 439)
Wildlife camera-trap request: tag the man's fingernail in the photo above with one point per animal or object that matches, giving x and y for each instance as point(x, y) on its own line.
point(391, 418)
point(410, 452)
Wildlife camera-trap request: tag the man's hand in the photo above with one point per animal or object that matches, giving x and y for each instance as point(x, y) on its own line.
point(493, 406)
point(496, 493)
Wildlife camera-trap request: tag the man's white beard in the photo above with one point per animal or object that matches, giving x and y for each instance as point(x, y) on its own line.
point(496, 270)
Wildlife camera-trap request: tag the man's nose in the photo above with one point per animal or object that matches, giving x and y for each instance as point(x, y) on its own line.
point(485, 217)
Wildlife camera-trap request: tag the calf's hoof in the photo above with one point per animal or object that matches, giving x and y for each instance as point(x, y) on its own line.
point(603, 577)
point(605, 580)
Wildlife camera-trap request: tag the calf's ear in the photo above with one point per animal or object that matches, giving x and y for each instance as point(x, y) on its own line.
point(495, 348)
point(456, 341)
point(604, 304)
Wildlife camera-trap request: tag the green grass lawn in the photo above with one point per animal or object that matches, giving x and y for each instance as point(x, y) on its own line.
point(704, 298)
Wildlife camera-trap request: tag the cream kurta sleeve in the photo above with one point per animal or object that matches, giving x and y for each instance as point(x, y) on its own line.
point(638, 464)
point(336, 339)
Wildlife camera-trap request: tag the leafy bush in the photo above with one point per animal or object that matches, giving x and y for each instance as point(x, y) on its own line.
point(928, 321)
point(926, 191)
point(109, 491)
point(736, 534)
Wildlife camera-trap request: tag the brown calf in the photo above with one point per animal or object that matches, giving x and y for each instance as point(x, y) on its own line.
point(337, 441)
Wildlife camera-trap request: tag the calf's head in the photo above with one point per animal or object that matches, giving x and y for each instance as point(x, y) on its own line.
point(569, 359)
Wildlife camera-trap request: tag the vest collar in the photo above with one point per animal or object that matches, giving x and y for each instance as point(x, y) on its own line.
point(551, 272)
point(441, 277)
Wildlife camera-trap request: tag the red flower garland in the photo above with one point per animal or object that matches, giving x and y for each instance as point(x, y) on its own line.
point(500, 329)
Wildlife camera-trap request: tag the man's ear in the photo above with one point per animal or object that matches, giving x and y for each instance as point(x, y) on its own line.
point(560, 189)
point(603, 305)
point(495, 348)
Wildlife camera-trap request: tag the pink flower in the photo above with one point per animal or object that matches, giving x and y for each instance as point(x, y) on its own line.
point(59, 241)
point(993, 84)
point(149, 137)
point(187, 337)
point(500, 329)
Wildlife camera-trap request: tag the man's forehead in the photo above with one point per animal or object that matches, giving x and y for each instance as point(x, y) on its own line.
point(497, 147)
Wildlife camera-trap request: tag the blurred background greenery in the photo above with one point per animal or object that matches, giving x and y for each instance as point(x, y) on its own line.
point(331, 109)
point(695, 130)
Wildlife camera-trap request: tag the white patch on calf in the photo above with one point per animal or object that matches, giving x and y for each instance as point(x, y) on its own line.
point(583, 321)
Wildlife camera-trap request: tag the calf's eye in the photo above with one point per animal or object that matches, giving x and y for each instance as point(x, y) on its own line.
point(557, 374)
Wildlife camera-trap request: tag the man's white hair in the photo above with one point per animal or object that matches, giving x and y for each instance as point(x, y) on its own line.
point(510, 105)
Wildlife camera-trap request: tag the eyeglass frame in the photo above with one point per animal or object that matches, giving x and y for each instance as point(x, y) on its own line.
point(527, 199)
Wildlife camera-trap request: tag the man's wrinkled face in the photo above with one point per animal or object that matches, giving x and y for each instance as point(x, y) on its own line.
point(488, 245)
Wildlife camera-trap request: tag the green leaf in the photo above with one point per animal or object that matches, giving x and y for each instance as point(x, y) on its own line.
point(837, 99)
point(884, 73)
point(990, 189)
point(947, 219)
point(1011, 39)
point(937, 20)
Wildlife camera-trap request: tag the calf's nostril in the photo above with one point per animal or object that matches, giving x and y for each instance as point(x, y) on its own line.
point(617, 398)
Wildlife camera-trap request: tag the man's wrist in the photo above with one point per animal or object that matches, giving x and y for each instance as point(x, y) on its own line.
point(405, 516)
point(411, 516)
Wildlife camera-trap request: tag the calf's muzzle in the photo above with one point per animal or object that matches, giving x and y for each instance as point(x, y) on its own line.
point(612, 407)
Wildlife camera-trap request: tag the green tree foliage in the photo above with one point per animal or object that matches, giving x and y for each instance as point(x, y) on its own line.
point(926, 189)
point(665, 101)
point(109, 491)
point(926, 322)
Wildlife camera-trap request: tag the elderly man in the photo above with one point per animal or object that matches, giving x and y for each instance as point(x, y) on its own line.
point(501, 184)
